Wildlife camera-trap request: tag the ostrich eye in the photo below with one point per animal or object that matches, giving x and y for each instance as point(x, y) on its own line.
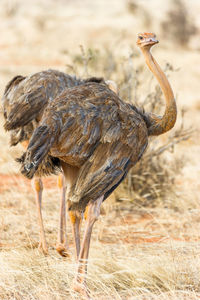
point(140, 37)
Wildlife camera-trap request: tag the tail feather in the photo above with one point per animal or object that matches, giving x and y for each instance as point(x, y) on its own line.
point(39, 136)
point(39, 146)
point(25, 108)
point(15, 81)
point(95, 79)
point(16, 119)
point(50, 165)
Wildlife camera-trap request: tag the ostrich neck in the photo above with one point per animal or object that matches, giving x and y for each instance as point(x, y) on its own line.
point(159, 125)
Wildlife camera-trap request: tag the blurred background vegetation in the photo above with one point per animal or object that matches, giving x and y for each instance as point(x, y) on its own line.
point(146, 246)
point(96, 38)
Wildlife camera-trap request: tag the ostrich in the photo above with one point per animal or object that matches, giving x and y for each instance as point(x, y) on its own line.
point(97, 137)
point(24, 101)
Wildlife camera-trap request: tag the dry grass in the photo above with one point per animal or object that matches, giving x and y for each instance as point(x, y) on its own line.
point(137, 252)
point(179, 23)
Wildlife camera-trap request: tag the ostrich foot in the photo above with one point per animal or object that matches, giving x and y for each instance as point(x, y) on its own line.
point(43, 248)
point(81, 288)
point(63, 250)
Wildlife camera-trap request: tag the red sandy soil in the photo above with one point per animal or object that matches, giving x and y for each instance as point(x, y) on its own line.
point(127, 223)
point(7, 181)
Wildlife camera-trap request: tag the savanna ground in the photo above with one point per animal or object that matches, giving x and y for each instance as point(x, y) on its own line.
point(149, 251)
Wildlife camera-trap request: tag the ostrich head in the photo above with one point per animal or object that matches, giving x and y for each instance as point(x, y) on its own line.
point(146, 40)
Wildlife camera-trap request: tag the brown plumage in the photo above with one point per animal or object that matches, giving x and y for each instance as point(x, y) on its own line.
point(24, 101)
point(88, 127)
point(98, 138)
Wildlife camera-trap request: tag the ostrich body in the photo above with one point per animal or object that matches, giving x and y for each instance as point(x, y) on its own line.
point(97, 138)
point(24, 101)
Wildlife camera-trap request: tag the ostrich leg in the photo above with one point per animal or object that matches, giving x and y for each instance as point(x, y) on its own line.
point(92, 214)
point(75, 219)
point(70, 176)
point(62, 246)
point(38, 188)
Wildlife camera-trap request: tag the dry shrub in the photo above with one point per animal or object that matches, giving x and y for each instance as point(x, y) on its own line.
point(178, 25)
point(152, 179)
point(10, 8)
point(134, 8)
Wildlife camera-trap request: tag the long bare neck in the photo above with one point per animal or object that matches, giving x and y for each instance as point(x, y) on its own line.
point(159, 125)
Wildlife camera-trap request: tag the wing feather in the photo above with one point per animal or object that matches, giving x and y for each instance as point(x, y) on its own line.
point(26, 98)
point(97, 132)
point(101, 172)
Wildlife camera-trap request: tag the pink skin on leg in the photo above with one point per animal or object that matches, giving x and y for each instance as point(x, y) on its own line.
point(70, 176)
point(92, 214)
point(62, 246)
point(38, 188)
point(75, 218)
